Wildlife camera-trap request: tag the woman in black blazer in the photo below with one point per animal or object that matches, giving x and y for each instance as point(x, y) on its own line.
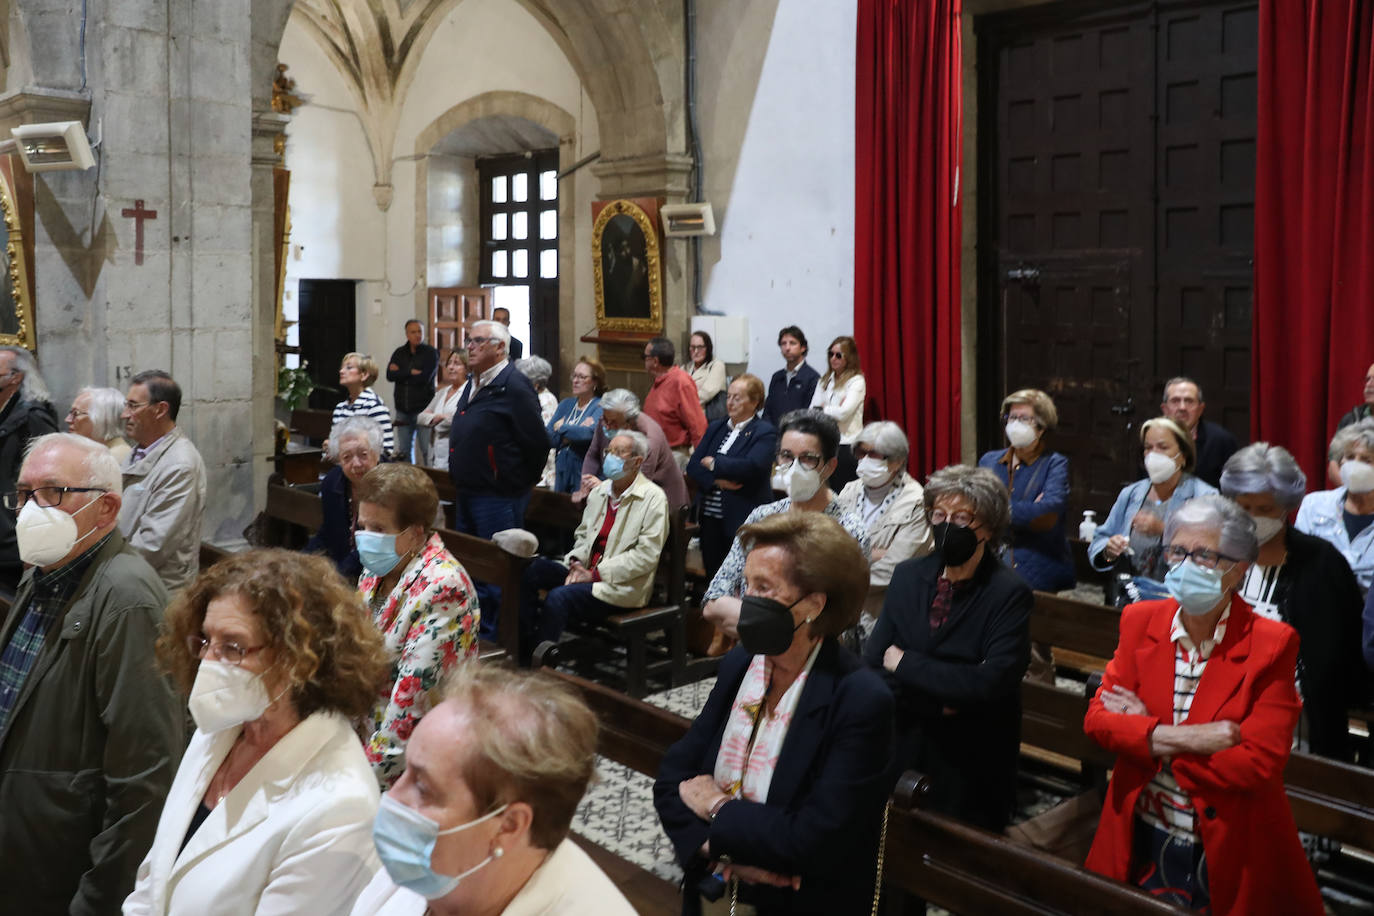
point(731, 467)
point(953, 641)
point(1305, 582)
point(776, 793)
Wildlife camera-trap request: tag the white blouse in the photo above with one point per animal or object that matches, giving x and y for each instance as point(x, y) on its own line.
point(846, 405)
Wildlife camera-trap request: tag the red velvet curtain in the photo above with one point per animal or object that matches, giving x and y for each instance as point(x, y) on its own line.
point(908, 148)
point(1314, 222)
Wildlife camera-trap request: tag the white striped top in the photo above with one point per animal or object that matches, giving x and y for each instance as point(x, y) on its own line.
point(369, 405)
point(1163, 803)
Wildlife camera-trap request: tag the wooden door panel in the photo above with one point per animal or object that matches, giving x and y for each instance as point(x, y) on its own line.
point(452, 311)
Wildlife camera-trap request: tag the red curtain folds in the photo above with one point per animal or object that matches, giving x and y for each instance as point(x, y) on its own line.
point(907, 226)
point(1314, 222)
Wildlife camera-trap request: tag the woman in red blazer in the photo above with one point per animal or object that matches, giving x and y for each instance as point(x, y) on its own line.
point(1221, 762)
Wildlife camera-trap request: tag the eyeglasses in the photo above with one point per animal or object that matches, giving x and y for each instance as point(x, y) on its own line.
point(77, 414)
point(1175, 554)
point(959, 519)
point(231, 653)
point(135, 405)
point(808, 460)
point(1009, 417)
point(479, 341)
point(697, 347)
point(836, 354)
point(47, 497)
point(581, 377)
point(862, 451)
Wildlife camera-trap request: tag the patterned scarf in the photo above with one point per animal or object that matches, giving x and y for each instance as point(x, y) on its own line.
point(753, 739)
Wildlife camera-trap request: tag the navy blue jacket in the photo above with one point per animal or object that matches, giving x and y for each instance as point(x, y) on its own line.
point(749, 462)
point(497, 444)
point(335, 537)
point(784, 397)
point(1041, 555)
point(825, 802)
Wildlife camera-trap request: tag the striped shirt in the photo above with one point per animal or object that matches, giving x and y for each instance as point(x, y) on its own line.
point(370, 406)
point(711, 506)
point(1163, 803)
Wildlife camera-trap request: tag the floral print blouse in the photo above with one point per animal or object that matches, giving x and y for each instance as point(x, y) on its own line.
point(428, 622)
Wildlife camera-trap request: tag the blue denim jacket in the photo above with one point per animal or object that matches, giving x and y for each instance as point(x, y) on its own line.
point(1322, 515)
point(1130, 501)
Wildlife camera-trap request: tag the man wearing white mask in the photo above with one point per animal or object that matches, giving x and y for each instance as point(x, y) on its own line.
point(1344, 515)
point(892, 506)
point(90, 734)
point(808, 442)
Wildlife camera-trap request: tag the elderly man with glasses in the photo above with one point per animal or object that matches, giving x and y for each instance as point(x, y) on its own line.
point(164, 481)
point(497, 447)
point(90, 734)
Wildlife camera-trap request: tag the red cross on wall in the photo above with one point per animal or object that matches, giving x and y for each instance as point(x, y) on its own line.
point(138, 214)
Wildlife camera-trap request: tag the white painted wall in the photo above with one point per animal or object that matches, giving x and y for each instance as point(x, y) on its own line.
point(776, 108)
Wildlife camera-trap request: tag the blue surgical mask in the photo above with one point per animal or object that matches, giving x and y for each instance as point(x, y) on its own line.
point(377, 551)
point(405, 841)
point(1196, 588)
point(613, 466)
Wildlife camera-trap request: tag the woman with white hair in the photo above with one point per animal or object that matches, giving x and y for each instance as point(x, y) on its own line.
point(1305, 582)
point(355, 444)
point(620, 409)
point(95, 414)
point(1342, 516)
point(892, 506)
point(1038, 480)
point(1198, 704)
point(538, 371)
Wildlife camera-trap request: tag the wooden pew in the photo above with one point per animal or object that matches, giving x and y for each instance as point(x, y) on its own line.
point(485, 561)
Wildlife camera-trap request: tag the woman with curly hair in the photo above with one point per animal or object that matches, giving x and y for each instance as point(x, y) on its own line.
point(272, 806)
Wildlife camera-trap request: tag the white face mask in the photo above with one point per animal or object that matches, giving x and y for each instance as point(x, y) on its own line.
point(1266, 528)
point(46, 534)
point(226, 695)
point(799, 483)
point(1020, 433)
point(1357, 476)
point(873, 472)
point(1160, 467)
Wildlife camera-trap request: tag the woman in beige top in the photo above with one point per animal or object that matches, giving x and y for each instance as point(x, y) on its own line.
point(709, 374)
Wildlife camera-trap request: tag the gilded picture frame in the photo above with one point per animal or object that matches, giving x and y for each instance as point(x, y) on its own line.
point(627, 266)
point(16, 294)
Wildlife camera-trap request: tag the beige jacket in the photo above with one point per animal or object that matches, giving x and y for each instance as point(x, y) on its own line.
point(635, 543)
point(164, 500)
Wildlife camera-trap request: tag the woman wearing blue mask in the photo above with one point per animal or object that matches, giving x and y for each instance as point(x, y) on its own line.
point(479, 822)
point(1199, 704)
point(421, 599)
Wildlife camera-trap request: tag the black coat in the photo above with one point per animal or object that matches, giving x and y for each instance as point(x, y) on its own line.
point(749, 462)
point(335, 537)
point(959, 689)
point(1214, 444)
point(413, 392)
point(826, 800)
point(497, 444)
point(785, 397)
point(1317, 594)
point(21, 422)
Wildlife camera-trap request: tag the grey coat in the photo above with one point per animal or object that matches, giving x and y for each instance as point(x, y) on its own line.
point(164, 499)
point(91, 745)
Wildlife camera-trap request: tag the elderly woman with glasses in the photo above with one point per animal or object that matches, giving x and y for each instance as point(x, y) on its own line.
point(271, 809)
point(1305, 582)
point(1198, 703)
point(355, 443)
point(775, 795)
point(357, 372)
point(95, 414)
point(575, 422)
point(953, 642)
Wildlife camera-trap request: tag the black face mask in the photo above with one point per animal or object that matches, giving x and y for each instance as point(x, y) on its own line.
point(765, 625)
point(956, 544)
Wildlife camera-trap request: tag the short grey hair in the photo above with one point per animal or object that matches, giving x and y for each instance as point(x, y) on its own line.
point(981, 487)
point(885, 437)
point(1264, 468)
point(1235, 528)
point(32, 388)
point(495, 330)
point(353, 428)
point(637, 438)
point(1361, 433)
point(1182, 380)
point(105, 408)
point(535, 368)
point(621, 400)
point(99, 468)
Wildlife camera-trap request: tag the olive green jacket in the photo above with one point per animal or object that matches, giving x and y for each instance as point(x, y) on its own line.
point(91, 745)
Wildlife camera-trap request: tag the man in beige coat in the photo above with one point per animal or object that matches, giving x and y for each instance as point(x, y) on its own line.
point(164, 481)
point(615, 551)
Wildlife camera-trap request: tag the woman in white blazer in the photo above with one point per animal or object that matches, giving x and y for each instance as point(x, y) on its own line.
point(841, 393)
point(271, 809)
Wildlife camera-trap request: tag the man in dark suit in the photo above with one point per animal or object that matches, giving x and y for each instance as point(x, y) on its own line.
point(791, 388)
point(1183, 404)
point(412, 369)
point(517, 349)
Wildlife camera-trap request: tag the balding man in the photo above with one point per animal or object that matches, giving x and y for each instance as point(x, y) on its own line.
point(1184, 405)
point(164, 481)
point(90, 733)
point(25, 414)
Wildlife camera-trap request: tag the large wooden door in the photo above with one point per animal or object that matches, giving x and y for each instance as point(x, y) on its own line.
point(1115, 219)
point(452, 312)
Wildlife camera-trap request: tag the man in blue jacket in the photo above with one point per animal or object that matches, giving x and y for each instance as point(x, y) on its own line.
point(497, 447)
point(791, 388)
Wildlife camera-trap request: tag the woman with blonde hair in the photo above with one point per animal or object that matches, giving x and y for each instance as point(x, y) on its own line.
point(357, 372)
point(438, 416)
point(841, 393)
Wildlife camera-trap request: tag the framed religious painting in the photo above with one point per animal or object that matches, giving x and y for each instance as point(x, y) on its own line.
point(628, 269)
point(16, 248)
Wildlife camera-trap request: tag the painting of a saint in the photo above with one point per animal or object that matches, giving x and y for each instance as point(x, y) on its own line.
point(625, 269)
point(628, 276)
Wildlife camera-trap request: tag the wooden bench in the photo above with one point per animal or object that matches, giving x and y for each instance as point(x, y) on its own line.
point(485, 561)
